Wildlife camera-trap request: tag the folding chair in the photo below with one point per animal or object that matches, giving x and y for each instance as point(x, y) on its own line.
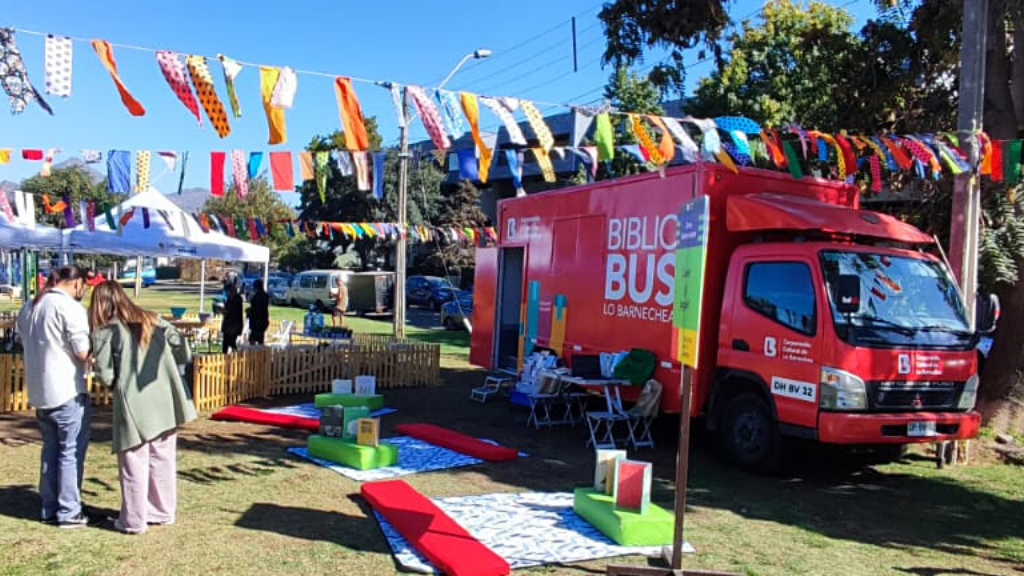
point(492, 385)
point(281, 338)
point(602, 423)
point(542, 401)
point(640, 416)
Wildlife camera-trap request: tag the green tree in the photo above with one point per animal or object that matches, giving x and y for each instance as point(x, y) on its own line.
point(346, 203)
point(785, 66)
point(72, 181)
point(263, 203)
point(460, 209)
point(901, 73)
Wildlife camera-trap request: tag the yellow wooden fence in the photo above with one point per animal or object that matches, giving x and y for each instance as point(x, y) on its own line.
point(14, 394)
point(222, 379)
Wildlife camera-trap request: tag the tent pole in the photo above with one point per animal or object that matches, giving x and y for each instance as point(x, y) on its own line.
point(266, 273)
point(138, 275)
point(202, 283)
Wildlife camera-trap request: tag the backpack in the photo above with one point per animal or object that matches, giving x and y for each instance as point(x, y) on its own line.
point(637, 367)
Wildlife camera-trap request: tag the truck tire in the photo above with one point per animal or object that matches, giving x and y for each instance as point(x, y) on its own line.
point(294, 303)
point(749, 434)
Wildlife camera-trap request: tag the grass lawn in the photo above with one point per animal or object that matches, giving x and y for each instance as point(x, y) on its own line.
point(248, 507)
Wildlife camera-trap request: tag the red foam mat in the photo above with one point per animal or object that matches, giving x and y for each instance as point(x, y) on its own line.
point(458, 442)
point(253, 416)
point(431, 532)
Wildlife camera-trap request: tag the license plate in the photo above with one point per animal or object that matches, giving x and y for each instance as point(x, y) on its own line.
point(921, 428)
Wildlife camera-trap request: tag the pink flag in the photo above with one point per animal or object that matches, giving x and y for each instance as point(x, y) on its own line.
point(431, 117)
point(174, 72)
point(240, 170)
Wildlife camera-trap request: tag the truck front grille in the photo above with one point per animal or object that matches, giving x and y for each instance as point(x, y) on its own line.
point(899, 396)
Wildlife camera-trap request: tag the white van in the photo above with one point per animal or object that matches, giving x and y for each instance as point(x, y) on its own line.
point(314, 287)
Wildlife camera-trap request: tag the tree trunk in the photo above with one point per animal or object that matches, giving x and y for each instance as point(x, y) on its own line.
point(1001, 396)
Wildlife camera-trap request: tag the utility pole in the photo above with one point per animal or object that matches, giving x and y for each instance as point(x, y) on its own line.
point(964, 237)
point(403, 193)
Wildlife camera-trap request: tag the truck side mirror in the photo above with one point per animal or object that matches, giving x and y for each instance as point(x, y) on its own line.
point(847, 293)
point(987, 313)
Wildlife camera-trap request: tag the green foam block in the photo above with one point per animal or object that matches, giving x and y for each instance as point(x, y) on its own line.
point(373, 402)
point(351, 454)
point(624, 527)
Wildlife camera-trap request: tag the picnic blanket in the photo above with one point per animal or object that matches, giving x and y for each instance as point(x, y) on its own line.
point(414, 456)
point(526, 529)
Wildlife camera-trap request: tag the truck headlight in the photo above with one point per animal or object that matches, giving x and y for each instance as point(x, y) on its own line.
point(970, 394)
point(841, 390)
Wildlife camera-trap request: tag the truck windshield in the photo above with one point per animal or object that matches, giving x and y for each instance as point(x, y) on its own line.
point(904, 301)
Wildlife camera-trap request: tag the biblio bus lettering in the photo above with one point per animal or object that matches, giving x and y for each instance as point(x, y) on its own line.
point(640, 268)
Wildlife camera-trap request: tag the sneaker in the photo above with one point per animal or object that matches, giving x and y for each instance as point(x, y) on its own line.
point(79, 521)
point(121, 527)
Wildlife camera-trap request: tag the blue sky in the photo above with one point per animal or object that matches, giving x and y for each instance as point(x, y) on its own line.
point(405, 42)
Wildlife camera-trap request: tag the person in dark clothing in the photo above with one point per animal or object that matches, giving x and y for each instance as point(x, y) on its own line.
point(231, 325)
point(259, 313)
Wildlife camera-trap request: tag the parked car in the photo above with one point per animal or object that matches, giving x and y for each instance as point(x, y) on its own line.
point(457, 312)
point(313, 287)
point(127, 277)
point(429, 291)
point(277, 289)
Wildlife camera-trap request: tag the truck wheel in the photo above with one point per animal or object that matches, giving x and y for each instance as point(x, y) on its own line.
point(449, 324)
point(749, 434)
point(294, 303)
point(886, 453)
point(320, 306)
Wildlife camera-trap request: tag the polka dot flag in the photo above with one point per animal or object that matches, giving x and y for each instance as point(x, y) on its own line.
point(203, 82)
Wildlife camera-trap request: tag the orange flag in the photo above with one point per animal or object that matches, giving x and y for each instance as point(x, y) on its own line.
point(471, 109)
point(351, 115)
point(306, 165)
point(275, 116)
point(106, 54)
point(666, 145)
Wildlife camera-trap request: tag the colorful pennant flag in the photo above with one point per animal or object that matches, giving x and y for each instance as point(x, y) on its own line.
point(255, 161)
point(604, 137)
point(471, 109)
point(217, 173)
point(378, 175)
point(284, 89)
point(500, 109)
point(449, 107)
point(306, 165)
point(173, 70)
point(231, 71)
point(352, 123)
point(240, 172)
point(142, 158)
point(281, 171)
point(203, 82)
point(430, 116)
point(106, 56)
point(275, 116)
point(537, 124)
point(119, 171)
point(57, 57)
point(320, 171)
point(544, 161)
point(15, 78)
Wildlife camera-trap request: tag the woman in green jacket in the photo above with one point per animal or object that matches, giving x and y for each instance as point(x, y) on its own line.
point(138, 354)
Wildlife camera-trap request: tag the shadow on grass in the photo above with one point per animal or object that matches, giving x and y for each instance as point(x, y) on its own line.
point(352, 532)
point(928, 571)
point(230, 472)
point(826, 491)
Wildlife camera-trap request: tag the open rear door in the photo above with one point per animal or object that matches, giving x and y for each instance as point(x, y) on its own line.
point(485, 289)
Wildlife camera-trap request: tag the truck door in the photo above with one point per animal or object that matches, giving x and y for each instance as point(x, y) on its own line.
point(776, 334)
point(485, 289)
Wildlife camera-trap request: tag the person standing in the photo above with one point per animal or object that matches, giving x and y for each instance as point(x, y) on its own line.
point(233, 322)
point(340, 293)
point(55, 336)
point(259, 313)
point(139, 354)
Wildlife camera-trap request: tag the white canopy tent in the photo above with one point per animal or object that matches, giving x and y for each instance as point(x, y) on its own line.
point(17, 236)
point(172, 232)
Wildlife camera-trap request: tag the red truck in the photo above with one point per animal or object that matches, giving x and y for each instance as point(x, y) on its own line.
point(819, 320)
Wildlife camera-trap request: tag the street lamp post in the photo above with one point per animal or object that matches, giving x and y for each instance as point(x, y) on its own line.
point(403, 185)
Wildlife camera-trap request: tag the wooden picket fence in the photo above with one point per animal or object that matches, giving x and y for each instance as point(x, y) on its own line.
point(14, 394)
point(222, 379)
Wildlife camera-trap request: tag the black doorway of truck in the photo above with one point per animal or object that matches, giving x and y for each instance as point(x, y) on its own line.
point(510, 299)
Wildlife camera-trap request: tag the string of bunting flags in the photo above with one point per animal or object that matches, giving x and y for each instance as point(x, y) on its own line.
point(659, 140)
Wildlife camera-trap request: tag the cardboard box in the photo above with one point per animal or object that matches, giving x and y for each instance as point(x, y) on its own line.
point(632, 485)
point(366, 385)
point(351, 421)
point(341, 387)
